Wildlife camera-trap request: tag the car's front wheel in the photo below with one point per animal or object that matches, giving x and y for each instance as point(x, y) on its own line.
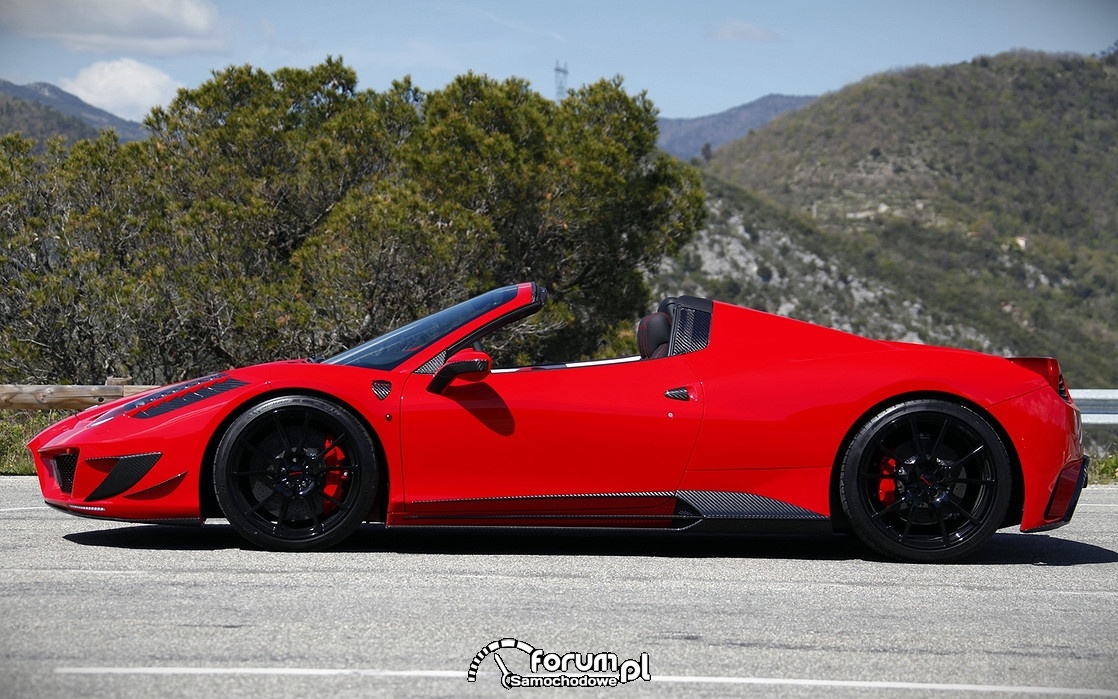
point(926, 480)
point(295, 473)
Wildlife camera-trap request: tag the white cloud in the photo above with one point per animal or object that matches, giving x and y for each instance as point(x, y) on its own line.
point(150, 27)
point(123, 87)
point(740, 30)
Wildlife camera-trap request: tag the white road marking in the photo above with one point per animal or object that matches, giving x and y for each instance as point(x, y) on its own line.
point(18, 509)
point(919, 686)
point(307, 671)
point(678, 679)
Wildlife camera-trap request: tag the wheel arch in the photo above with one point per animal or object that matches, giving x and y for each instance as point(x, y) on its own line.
point(1017, 493)
point(207, 496)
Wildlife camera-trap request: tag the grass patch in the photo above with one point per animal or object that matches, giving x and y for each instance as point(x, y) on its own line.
point(1103, 469)
point(17, 427)
point(1101, 444)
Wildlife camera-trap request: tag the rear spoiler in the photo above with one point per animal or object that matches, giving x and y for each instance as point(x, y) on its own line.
point(1049, 368)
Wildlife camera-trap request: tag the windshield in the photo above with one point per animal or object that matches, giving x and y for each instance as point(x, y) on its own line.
point(388, 351)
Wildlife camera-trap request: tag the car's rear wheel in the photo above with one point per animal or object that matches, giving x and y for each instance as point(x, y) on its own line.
point(295, 473)
point(926, 480)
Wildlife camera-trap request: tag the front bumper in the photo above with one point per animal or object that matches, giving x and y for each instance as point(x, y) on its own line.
point(114, 471)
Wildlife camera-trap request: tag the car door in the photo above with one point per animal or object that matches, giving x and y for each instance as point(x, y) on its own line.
point(608, 439)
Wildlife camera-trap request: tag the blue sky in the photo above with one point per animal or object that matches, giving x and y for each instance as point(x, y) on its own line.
point(693, 57)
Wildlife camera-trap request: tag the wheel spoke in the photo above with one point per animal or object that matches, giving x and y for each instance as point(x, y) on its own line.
point(959, 463)
point(303, 430)
point(280, 430)
point(942, 524)
point(974, 481)
point(255, 450)
point(916, 438)
point(873, 475)
point(888, 450)
point(279, 523)
point(315, 523)
point(939, 437)
point(260, 505)
point(896, 504)
point(961, 510)
point(252, 472)
point(332, 445)
point(340, 504)
point(907, 527)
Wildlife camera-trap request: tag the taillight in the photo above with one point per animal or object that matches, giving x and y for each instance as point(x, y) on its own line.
point(1049, 368)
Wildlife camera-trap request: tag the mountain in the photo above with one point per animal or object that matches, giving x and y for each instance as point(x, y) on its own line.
point(40, 122)
point(970, 205)
point(685, 138)
point(65, 103)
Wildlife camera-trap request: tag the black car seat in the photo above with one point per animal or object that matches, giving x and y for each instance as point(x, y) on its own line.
point(654, 331)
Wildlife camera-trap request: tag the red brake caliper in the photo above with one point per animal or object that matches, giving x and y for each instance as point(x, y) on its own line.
point(887, 487)
point(335, 477)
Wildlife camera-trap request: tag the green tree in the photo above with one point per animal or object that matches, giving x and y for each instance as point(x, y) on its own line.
point(251, 164)
point(498, 184)
point(291, 214)
point(71, 238)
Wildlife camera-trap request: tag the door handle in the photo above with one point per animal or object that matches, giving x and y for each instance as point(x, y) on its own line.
point(680, 393)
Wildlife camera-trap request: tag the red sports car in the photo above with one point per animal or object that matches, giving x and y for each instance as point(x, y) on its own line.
point(730, 420)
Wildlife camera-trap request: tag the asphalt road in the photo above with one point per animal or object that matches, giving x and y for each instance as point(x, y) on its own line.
point(101, 609)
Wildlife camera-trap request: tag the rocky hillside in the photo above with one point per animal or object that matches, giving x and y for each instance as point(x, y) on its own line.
point(756, 253)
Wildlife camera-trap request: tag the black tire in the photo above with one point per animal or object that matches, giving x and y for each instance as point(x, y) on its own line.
point(926, 481)
point(295, 473)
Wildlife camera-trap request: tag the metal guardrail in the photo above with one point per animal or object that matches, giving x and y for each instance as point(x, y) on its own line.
point(1099, 406)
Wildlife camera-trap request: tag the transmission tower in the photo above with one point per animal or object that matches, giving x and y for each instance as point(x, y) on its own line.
point(560, 81)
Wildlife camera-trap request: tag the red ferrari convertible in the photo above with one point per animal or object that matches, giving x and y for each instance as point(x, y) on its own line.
point(730, 420)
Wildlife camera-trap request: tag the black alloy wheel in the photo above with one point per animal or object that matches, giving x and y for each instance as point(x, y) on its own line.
point(295, 473)
point(926, 480)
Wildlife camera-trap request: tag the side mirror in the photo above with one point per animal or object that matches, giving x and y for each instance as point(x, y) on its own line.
point(464, 365)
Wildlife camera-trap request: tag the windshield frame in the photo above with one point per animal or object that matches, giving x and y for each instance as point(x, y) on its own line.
point(392, 349)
